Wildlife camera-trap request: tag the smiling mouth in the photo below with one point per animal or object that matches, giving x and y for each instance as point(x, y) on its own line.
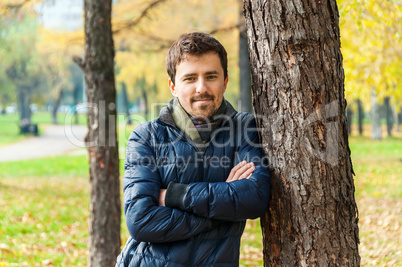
point(203, 100)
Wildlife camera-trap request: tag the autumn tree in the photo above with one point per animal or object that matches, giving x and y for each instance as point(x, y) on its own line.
point(298, 85)
point(19, 66)
point(98, 65)
point(371, 45)
point(56, 65)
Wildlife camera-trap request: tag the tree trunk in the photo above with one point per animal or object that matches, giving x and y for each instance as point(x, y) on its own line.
point(388, 116)
point(24, 100)
point(298, 96)
point(76, 92)
point(105, 211)
point(375, 116)
point(56, 106)
point(145, 98)
point(126, 102)
point(349, 116)
point(245, 104)
point(360, 116)
point(396, 118)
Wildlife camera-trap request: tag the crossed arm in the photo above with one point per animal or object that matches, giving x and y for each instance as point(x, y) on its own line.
point(243, 170)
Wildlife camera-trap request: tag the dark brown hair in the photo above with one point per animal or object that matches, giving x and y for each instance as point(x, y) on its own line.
point(197, 44)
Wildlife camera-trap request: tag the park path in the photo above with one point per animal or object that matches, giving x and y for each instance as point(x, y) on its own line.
point(54, 140)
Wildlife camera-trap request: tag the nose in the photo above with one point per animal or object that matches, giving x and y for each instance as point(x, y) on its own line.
point(201, 86)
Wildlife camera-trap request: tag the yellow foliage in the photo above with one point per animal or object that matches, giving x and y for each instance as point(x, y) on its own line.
point(141, 50)
point(371, 48)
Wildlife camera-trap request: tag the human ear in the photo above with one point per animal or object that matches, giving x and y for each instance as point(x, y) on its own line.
point(172, 88)
point(225, 83)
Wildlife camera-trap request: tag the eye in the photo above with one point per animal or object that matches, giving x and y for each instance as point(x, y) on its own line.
point(211, 77)
point(189, 79)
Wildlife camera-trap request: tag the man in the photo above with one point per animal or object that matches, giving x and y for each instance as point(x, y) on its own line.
point(195, 174)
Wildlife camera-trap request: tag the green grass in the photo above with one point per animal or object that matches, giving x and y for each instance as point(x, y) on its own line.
point(63, 166)
point(378, 166)
point(363, 147)
point(9, 130)
point(44, 208)
point(49, 215)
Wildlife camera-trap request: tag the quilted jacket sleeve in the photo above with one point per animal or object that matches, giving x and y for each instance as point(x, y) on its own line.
point(145, 219)
point(238, 200)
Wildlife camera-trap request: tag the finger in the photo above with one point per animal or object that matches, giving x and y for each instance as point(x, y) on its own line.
point(248, 173)
point(242, 170)
point(234, 170)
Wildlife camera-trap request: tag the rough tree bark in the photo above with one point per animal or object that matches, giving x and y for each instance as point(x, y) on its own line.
point(298, 85)
point(105, 211)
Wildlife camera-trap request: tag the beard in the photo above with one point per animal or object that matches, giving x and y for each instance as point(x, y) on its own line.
point(204, 111)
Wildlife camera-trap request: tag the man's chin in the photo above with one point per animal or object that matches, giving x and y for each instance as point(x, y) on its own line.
point(203, 115)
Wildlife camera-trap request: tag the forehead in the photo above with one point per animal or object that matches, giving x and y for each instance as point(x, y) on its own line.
point(206, 62)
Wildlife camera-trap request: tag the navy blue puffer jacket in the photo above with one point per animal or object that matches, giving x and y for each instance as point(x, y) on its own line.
point(206, 229)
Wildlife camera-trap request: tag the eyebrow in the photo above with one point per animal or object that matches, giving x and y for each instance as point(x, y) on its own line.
point(212, 72)
point(195, 74)
point(188, 75)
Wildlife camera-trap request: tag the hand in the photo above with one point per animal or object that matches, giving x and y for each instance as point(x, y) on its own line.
point(243, 170)
point(162, 195)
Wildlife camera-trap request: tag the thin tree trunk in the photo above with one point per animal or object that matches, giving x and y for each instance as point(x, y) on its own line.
point(24, 99)
point(105, 211)
point(388, 116)
point(21, 105)
point(56, 106)
point(245, 104)
point(145, 98)
point(298, 85)
point(396, 118)
point(360, 115)
point(349, 115)
point(126, 102)
point(375, 117)
point(75, 99)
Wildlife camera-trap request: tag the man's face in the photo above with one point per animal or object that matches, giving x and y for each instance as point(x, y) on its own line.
point(199, 84)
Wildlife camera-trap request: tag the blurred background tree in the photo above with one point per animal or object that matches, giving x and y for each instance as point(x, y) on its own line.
point(372, 52)
point(20, 72)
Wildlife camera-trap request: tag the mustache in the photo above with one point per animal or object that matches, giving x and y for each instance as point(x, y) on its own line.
point(204, 96)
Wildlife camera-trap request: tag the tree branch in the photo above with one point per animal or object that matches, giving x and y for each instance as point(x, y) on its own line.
point(226, 29)
point(79, 61)
point(144, 13)
point(17, 5)
point(9, 6)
